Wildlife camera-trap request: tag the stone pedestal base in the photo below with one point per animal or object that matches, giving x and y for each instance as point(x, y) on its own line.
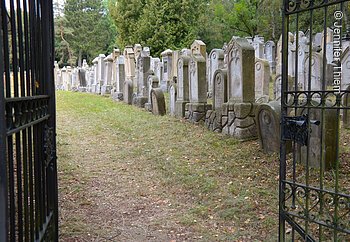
point(148, 107)
point(82, 89)
point(180, 107)
point(238, 120)
point(196, 112)
point(106, 89)
point(117, 96)
point(213, 120)
point(96, 89)
point(139, 101)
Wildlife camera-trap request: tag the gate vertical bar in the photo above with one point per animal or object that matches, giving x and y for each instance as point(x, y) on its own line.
point(3, 162)
point(282, 221)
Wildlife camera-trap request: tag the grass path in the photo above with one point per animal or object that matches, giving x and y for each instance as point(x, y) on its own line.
point(127, 175)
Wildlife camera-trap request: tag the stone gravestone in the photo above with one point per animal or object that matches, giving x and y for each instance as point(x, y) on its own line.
point(158, 101)
point(277, 88)
point(213, 119)
point(238, 113)
point(258, 44)
point(153, 82)
point(75, 80)
point(91, 78)
point(173, 94)
point(196, 109)
point(270, 55)
point(120, 69)
point(216, 62)
point(128, 91)
point(182, 86)
point(345, 69)
point(64, 79)
point(262, 80)
point(82, 80)
point(268, 122)
point(100, 72)
point(143, 71)
point(175, 58)
point(94, 83)
point(346, 112)
point(316, 72)
point(329, 130)
point(129, 56)
point(107, 80)
point(167, 58)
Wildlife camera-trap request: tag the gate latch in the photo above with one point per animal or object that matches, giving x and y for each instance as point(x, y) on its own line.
point(296, 128)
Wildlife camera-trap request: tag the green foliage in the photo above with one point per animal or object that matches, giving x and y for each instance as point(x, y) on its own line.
point(85, 31)
point(175, 24)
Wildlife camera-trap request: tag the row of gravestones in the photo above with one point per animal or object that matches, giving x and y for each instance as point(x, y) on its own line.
point(241, 105)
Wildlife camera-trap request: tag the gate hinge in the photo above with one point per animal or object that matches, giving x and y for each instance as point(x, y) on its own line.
point(297, 129)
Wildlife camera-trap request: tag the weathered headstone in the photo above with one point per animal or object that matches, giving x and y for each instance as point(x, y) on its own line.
point(119, 79)
point(158, 101)
point(167, 59)
point(322, 138)
point(216, 62)
point(143, 71)
point(213, 117)
point(345, 69)
point(75, 79)
point(128, 91)
point(238, 113)
point(197, 107)
point(258, 44)
point(346, 112)
point(107, 80)
point(262, 80)
point(182, 86)
point(172, 100)
point(95, 70)
point(277, 88)
point(316, 72)
point(270, 55)
point(82, 80)
point(153, 82)
point(268, 122)
point(129, 56)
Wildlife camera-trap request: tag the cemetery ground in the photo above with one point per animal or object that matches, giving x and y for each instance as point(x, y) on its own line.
point(127, 175)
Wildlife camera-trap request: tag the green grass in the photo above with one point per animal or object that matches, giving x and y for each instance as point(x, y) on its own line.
point(219, 189)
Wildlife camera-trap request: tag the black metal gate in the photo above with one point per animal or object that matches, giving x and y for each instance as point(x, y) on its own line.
point(28, 173)
point(314, 196)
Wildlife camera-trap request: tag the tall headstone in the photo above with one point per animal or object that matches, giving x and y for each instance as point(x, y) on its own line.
point(270, 55)
point(167, 59)
point(316, 72)
point(182, 86)
point(213, 120)
point(129, 56)
point(100, 72)
point(119, 79)
point(82, 80)
point(94, 85)
point(345, 69)
point(172, 100)
point(239, 112)
point(108, 72)
point(216, 62)
point(262, 80)
point(322, 138)
point(75, 79)
point(196, 109)
point(143, 71)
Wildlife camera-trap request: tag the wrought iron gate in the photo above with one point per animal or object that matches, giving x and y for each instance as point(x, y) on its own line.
point(28, 176)
point(314, 196)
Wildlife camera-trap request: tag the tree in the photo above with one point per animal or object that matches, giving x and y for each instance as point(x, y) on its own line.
point(92, 30)
point(126, 15)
